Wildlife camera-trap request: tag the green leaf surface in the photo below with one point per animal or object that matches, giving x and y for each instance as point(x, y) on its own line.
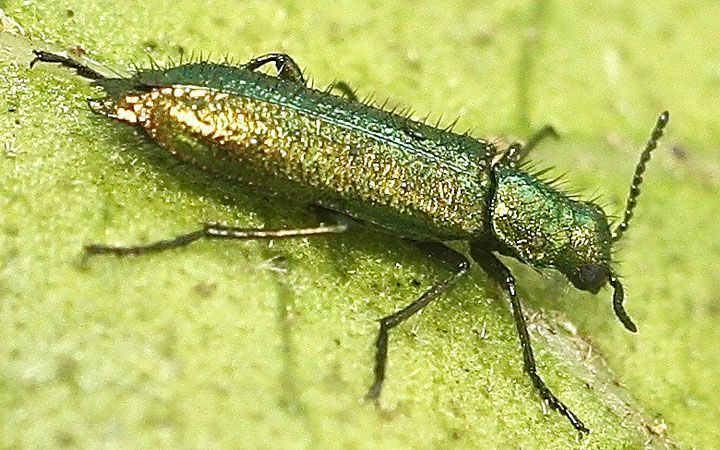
point(270, 345)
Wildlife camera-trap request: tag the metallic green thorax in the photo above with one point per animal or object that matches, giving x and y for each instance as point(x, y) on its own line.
point(545, 228)
point(370, 164)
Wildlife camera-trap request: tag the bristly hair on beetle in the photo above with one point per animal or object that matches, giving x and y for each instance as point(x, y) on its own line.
point(364, 166)
point(589, 274)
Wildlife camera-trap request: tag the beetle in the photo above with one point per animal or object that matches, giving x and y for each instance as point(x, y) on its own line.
point(367, 166)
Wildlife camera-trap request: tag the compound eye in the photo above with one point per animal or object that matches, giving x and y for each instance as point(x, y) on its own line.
point(591, 277)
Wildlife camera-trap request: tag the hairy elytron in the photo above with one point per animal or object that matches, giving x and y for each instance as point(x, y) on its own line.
point(375, 167)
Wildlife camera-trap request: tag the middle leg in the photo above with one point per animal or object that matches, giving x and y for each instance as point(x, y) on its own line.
point(449, 257)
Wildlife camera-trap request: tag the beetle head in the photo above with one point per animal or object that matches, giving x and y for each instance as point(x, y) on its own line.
point(546, 228)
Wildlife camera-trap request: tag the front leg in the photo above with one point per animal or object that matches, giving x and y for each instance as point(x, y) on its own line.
point(516, 153)
point(502, 275)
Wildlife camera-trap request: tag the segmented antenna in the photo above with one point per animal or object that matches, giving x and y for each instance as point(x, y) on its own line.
point(618, 299)
point(637, 180)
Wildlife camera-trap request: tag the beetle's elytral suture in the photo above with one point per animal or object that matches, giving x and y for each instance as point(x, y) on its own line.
point(366, 165)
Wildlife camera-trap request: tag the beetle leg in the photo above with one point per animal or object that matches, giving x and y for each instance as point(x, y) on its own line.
point(516, 152)
point(287, 68)
point(449, 257)
point(216, 231)
point(500, 273)
point(82, 69)
point(345, 89)
point(539, 136)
